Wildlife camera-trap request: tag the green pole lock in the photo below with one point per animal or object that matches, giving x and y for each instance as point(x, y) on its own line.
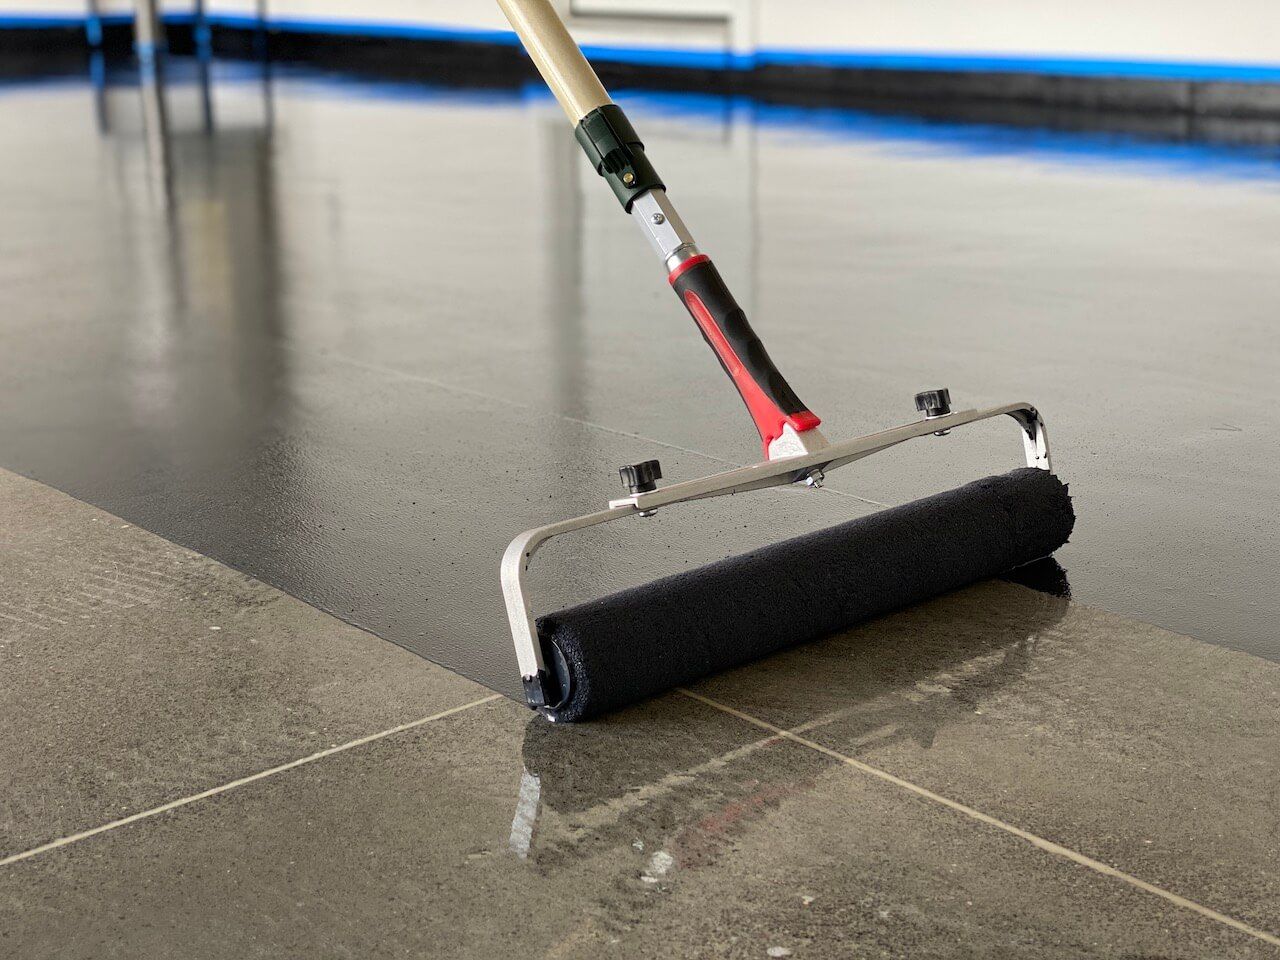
point(615, 150)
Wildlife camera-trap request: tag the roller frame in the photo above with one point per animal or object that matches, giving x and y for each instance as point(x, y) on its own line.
point(806, 467)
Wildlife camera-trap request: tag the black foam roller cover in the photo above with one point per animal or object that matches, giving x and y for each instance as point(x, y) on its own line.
point(639, 642)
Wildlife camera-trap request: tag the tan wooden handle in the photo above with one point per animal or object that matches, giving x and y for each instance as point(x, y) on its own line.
point(556, 56)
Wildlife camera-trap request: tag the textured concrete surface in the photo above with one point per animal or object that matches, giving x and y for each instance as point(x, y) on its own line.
point(1022, 749)
point(1121, 740)
point(133, 671)
point(713, 850)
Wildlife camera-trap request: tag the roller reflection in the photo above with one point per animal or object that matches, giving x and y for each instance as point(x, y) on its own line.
point(674, 776)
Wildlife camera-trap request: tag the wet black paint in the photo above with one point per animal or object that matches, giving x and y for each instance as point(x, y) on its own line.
point(326, 334)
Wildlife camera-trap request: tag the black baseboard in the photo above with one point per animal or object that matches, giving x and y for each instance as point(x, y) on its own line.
point(58, 50)
point(1059, 92)
point(387, 58)
point(1123, 95)
point(42, 52)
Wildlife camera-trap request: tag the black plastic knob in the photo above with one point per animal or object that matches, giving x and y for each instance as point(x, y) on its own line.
point(934, 403)
point(641, 477)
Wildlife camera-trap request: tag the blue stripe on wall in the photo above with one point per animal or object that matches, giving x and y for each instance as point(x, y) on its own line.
point(40, 21)
point(726, 61)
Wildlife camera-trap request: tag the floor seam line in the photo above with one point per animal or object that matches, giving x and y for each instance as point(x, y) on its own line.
point(1041, 843)
point(442, 385)
point(241, 782)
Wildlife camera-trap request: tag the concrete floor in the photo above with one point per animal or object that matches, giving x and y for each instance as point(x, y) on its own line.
point(336, 347)
point(198, 765)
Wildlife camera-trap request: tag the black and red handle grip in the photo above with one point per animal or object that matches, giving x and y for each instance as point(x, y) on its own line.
point(769, 398)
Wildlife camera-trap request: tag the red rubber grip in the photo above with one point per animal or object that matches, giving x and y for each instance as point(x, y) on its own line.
point(771, 402)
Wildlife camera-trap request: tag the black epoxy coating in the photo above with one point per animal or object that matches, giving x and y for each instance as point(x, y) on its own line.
point(329, 340)
point(642, 641)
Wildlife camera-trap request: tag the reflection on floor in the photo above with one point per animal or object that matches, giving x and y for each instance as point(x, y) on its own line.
point(204, 767)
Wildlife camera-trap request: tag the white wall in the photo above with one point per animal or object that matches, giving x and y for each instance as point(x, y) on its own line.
point(1230, 31)
point(485, 15)
point(468, 14)
point(1225, 30)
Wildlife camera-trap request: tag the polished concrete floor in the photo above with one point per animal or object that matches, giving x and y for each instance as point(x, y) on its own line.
point(349, 339)
point(198, 765)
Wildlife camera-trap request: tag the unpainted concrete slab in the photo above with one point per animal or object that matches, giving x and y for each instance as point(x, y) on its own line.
point(1123, 741)
point(134, 672)
point(719, 847)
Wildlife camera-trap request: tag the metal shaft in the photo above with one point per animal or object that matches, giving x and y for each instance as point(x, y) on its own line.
point(556, 56)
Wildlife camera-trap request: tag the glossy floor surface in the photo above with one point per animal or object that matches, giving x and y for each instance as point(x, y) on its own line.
point(197, 765)
point(352, 338)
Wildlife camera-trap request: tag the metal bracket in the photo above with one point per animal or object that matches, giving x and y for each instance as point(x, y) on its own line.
point(793, 444)
point(760, 476)
point(662, 226)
